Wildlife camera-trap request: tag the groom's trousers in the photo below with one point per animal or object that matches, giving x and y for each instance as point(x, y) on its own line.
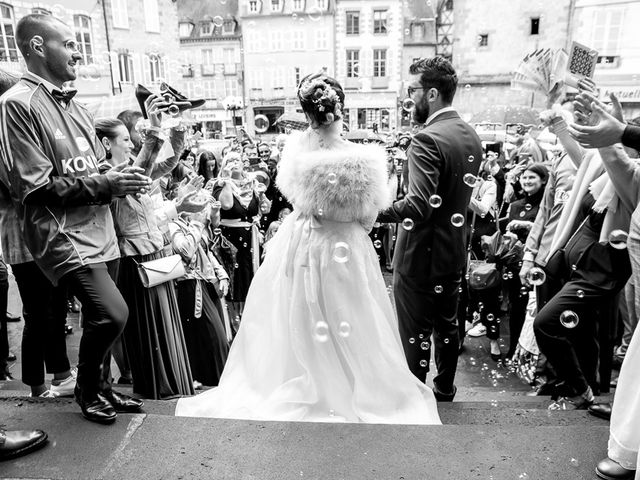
point(425, 308)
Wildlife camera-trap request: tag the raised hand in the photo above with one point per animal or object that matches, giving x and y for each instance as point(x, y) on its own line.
point(191, 203)
point(604, 128)
point(128, 181)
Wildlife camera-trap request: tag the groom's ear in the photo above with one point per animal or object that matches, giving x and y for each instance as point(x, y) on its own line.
point(433, 94)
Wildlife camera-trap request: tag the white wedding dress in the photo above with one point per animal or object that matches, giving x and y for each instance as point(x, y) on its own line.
point(319, 340)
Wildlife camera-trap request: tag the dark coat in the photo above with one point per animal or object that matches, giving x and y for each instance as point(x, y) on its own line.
point(438, 158)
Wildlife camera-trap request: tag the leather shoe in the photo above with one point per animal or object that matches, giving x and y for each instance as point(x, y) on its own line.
point(95, 408)
point(123, 403)
point(445, 397)
point(602, 410)
point(610, 470)
point(15, 443)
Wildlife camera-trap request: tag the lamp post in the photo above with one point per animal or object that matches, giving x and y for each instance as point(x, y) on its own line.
point(233, 104)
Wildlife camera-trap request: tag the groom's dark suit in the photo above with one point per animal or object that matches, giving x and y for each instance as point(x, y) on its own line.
point(429, 258)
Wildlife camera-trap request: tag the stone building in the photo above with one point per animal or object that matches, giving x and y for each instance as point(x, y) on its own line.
point(369, 60)
point(609, 26)
point(283, 42)
point(212, 68)
point(492, 37)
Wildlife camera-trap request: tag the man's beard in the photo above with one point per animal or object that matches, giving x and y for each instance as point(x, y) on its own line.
point(421, 112)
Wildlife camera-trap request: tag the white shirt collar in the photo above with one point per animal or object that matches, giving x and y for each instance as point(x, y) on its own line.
point(434, 115)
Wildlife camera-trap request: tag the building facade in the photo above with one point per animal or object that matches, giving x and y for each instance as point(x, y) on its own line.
point(488, 46)
point(212, 68)
point(369, 62)
point(418, 41)
point(283, 42)
point(608, 26)
point(87, 21)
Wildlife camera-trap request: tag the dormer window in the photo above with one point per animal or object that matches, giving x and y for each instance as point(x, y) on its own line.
point(298, 5)
point(185, 29)
point(321, 4)
point(275, 5)
point(206, 29)
point(229, 27)
point(253, 6)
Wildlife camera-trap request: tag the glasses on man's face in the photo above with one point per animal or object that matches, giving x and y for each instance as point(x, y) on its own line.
point(412, 90)
point(72, 45)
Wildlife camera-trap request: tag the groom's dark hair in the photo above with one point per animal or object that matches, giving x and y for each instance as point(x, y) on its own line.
point(438, 73)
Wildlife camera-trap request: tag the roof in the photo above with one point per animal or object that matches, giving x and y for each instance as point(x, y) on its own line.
point(199, 12)
point(420, 9)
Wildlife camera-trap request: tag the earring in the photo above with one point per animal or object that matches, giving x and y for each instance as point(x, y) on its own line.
point(108, 150)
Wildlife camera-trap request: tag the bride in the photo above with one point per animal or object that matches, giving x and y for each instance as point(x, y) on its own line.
point(319, 340)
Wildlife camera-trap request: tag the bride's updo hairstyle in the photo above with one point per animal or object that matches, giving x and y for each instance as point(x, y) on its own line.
point(321, 98)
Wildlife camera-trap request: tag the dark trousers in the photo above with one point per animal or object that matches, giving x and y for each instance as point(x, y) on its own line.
point(44, 308)
point(601, 273)
point(425, 308)
point(4, 334)
point(104, 314)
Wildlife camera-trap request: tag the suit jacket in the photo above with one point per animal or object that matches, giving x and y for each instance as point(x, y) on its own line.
point(438, 159)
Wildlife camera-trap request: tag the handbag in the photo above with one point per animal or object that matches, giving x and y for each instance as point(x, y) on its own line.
point(161, 270)
point(483, 275)
point(557, 266)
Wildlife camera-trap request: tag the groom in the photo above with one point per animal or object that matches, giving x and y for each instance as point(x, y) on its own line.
point(430, 249)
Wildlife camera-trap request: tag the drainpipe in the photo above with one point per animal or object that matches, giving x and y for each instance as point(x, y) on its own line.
point(106, 31)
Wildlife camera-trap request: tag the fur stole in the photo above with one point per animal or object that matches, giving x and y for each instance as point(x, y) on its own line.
point(347, 182)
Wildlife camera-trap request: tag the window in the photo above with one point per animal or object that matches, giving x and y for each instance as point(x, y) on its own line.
point(297, 76)
point(229, 56)
point(607, 31)
point(353, 23)
point(275, 40)
point(322, 40)
point(8, 48)
point(229, 27)
point(125, 66)
point(535, 26)
point(254, 43)
point(206, 29)
point(156, 68)
point(186, 29)
point(82, 25)
point(209, 89)
point(353, 57)
point(279, 79)
point(298, 40)
point(380, 63)
point(275, 5)
point(297, 5)
point(151, 16)
point(417, 31)
point(231, 87)
point(321, 4)
point(483, 40)
point(119, 13)
point(380, 22)
point(253, 6)
point(40, 11)
point(208, 67)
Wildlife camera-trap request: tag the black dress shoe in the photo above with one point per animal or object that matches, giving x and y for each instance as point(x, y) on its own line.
point(13, 318)
point(15, 443)
point(610, 470)
point(602, 410)
point(11, 357)
point(166, 89)
point(96, 407)
point(445, 397)
point(123, 403)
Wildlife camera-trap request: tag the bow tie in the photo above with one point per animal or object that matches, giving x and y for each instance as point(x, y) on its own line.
point(64, 96)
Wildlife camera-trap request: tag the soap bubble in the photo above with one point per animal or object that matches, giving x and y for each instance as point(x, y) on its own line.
point(467, 87)
point(344, 329)
point(457, 220)
point(408, 105)
point(412, 340)
point(261, 123)
point(446, 340)
point(569, 319)
point(341, 252)
point(435, 201)
point(321, 331)
point(580, 293)
point(574, 462)
point(377, 244)
point(536, 276)
point(438, 289)
point(408, 224)
point(315, 14)
point(218, 21)
point(470, 179)
point(528, 207)
point(332, 178)
point(424, 345)
point(173, 110)
point(490, 317)
point(618, 239)
point(471, 158)
point(424, 363)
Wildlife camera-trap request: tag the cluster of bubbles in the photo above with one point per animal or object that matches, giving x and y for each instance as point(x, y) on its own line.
point(322, 331)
